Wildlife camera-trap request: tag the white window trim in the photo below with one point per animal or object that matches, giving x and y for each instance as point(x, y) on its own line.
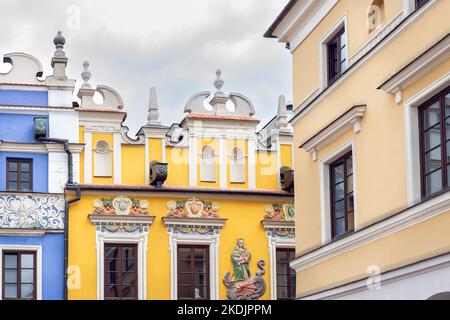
point(323, 56)
point(194, 239)
point(275, 243)
point(411, 115)
point(38, 250)
point(325, 210)
point(139, 238)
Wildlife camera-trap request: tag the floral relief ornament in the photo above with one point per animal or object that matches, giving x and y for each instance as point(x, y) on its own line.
point(121, 206)
point(193, 208)
point(277, 212)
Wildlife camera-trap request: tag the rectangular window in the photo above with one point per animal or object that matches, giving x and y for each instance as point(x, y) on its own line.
point(193, 272)
point(342, 203)
point(434, 126)
point(19, 174)
point(286, 280)
point(420, 3)
point(337, 56)
point(19, 275)
point(121, 271)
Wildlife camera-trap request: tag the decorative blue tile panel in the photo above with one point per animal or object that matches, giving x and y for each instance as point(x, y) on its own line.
point(32, 211)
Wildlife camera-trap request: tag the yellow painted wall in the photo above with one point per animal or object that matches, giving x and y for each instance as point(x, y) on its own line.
point(379, 147)
point(286, 155)
point(215, 144)
point(154, 149)
point(419, 242)
point(306, 57)
point(244, 221)
point(266, 170)
point(133, 164)
point(81, 140)
point(178, 164)
point(242, 144)
point(109, 138)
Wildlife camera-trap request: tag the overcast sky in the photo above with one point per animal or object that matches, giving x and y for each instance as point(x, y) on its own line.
point(175, 45)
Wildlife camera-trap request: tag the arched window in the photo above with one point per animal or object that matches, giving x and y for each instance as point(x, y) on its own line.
point(237, 166)
point(208, 164)
point(102, 159)
point(376, 15)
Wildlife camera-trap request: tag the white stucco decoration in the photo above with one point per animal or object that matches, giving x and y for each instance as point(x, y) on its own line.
point(102, 159)
point(243, 106)
point(26, 69)
point(195, 103)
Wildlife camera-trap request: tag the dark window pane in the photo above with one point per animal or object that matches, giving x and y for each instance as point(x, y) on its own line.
point(339, 208)
point(128, 291)
point(282, 292)
point(339, 191)
point(200, 293)
point(432, 115)
point(200, 266)
point(434, 182)
point(185, 279)
point(27, 291)
point(200, 280)
point(350, 204)
point(12, 166)
point(27, 276)
point(282, 280)
point(12, 176)
point(339, 227)
point(10, 261)
point(24, 187)
point(10, 291)
point(27, 261)
point(184, 266)
point(338, 173)
point(25, 167)
point(111, 291)
point(111, 252)
point(112, 278)
point(349, 166)
point(447, 107)
point(432, 137)
point(10, 276)
point(112, 265)
point(12, 186)
point(349, 184)
point(128, 265)
point(184, 253)
point(433, 160)
point(128, 278)
point(185, 293)
point(24, 177)
point(199, 254)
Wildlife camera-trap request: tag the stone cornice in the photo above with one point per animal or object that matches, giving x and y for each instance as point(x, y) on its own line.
point(331, 132)
point(417, 68)
point(215, 223)
point(125, 220)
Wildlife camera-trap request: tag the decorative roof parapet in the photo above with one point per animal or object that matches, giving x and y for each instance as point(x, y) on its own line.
point(243, 107)
point(112, 101)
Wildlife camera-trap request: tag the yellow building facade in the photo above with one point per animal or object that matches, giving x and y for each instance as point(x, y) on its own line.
point(371, 152)
point(168, 213)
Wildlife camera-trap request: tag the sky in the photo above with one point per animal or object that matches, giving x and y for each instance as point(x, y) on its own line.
point(174, 45)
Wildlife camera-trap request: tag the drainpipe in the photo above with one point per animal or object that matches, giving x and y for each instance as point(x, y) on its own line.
point(70, 186)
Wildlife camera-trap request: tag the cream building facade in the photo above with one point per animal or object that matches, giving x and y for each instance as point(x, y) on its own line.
point(371, 146)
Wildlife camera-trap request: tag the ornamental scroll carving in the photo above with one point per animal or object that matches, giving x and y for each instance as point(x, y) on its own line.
point(32, 211)
point(279, 220)
point(121, 206)
point(193, 208)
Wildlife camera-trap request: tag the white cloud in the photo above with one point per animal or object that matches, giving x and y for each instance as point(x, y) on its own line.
point(175, 45)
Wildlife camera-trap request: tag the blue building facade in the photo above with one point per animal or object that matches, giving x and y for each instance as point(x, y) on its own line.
point(33, 174)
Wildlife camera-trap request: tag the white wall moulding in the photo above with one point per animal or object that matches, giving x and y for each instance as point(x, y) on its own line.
point(402, 220)
point(335, 129)
point(417, 68)
point(32, 211)
point(103, 159)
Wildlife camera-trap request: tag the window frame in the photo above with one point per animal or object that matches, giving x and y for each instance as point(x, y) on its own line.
point(192, 247)
point(440, 96)
point(136, 272)
point(19, 253)
point(289, 271)
point(341, 160)
point(19, 182)
point(335, 38)
point(418, 4)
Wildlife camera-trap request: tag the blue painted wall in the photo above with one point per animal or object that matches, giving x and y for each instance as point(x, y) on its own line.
point(17, 127)
point(40, 169)
point(24, 97)
point(52, 261)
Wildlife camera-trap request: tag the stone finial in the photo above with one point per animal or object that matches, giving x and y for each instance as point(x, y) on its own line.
point(218, 83)
point(86, 75)
point(59, 42)
point(153, 114)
